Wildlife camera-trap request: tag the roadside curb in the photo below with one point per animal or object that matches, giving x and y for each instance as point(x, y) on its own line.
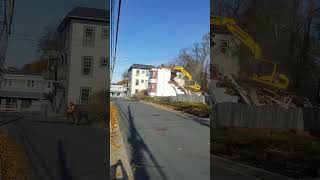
point(247, 170)
point(203, 121)
point(118, 155)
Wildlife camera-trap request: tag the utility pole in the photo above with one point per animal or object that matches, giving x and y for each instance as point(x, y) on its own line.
point(6, 13)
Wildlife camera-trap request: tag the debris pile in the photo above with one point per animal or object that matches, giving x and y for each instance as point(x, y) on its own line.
point(260, 95)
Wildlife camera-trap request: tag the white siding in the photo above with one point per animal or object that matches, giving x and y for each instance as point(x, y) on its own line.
point(72, 71)
point(20, 83)
point(227, 63)
point(142, 76)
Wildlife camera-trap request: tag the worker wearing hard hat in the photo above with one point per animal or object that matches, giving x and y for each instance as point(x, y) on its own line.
point(71, 111)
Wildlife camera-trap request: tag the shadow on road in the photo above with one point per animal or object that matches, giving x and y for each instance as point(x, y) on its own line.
point(12, 120)
point(37, 162)
point(64, 170)
point(113, 171)
point(138, 149)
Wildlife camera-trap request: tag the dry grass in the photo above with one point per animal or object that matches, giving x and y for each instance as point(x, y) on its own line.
point(12, 158)
point(289, 152)
point(196, 109)
point(113, 116)
point(114, 132)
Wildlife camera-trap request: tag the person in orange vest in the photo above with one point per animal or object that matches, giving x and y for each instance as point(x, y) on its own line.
point(71, 111)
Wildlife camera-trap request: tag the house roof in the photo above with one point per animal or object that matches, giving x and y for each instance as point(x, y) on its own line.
point(85, 13)
point(22, 94)
point(20, 72)
point(140, 66)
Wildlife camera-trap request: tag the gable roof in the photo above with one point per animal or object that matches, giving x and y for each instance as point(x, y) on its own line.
point(21, 72)
point(86, 13)
point(140, 66)
point(22, 94)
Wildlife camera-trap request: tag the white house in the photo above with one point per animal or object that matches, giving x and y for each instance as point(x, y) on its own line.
point(223, 61)
point(223, 53)
point(163, 82)
point(118, 90)
point(83, 66)
point(22, 91)
point(138, 78)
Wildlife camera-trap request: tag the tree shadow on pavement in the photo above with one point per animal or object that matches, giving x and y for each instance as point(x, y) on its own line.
point(113, 171)
point(64, 170)
point(33, 154)
point(138, 149)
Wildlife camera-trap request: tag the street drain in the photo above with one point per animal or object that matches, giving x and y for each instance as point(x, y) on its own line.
point(156, 115)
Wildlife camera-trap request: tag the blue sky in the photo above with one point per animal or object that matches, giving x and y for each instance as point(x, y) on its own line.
point(31, 17)
point(153, 32)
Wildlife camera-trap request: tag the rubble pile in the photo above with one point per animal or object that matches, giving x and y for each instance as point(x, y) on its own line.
point(248, 93)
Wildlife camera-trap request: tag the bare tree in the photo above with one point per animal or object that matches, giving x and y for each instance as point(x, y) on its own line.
point(196, 61)
point(48, 41)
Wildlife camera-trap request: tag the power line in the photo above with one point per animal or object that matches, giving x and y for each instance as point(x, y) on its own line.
point(111, 27)
point(116, 43)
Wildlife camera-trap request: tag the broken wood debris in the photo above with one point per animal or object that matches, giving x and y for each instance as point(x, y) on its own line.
point(260, 95)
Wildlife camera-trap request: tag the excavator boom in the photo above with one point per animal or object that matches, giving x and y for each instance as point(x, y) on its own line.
point(237, 32)
point(196, 87)
point(275, 79)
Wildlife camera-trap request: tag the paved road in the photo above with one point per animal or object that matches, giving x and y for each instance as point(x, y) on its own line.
point(219, 173)
point(58, 150)
point(163, 145)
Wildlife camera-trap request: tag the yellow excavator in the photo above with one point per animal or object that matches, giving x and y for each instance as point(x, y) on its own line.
point(274, 79)
point(195, 86)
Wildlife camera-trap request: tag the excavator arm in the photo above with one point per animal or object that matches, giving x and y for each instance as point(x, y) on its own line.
point(237, 32)
point(195, 86)
point(274, 79)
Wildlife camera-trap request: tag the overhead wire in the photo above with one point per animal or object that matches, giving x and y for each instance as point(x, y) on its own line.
point(111, 34)
point(116, 40)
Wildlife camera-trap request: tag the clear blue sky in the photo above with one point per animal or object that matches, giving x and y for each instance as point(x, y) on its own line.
point(31, 17)
point(153, 32)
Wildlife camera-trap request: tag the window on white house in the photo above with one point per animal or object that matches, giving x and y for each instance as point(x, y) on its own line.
point(11, 103)
point(88, 36)
point(49, 85)
point(142, 71)
point(87, 66)
point(137, 82)
point(142, 81)
point(137, 72)
point(103, 61)
point(31, 83)
point(105, 33)
point(84, 95)
point(26, 103)
point(11, 82)
point(224, 45)
point(137, 90)
point(153, 87)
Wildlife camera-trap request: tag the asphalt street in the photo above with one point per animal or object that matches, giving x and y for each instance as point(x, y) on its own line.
point(163, 145)
point(60, 150)
point(219, 173)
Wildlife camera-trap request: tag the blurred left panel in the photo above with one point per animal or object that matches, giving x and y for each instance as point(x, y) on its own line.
point(54, 89)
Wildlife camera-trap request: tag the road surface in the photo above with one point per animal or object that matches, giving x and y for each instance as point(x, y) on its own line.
point(219, 173)
point(163, 145)
point(60, 150)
